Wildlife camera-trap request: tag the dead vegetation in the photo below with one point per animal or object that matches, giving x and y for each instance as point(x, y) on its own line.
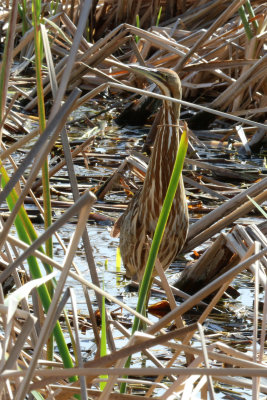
point(87, 61)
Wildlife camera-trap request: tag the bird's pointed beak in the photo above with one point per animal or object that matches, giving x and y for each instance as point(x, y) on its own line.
point(150, 73)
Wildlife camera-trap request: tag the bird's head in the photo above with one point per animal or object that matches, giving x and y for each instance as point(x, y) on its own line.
point(166, 79)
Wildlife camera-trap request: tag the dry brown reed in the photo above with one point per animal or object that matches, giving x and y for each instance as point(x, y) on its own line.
point(223, 76)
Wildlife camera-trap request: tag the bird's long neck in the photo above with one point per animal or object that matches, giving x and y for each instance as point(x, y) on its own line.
point(163, 156)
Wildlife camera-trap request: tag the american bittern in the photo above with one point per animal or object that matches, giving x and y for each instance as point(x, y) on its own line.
point(139, 221)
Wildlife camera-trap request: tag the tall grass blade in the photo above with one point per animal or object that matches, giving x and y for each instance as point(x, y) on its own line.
point(252, 14)
point(38, 44)
point(103, 341)
point(22, 9)
point(158, 16)
point(36, 5)
point(118, 266)
point(138, 26)
point(245, 22)
point(261, 210)
point(24, 226)
point(163, 218)
point(54, 6)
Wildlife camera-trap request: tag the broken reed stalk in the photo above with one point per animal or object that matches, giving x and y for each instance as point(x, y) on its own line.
point(104, 86)
point(202, 293)
point(62, 163)
point(32, 250)
point(224, 222)
point(48, 326)
point(260, 371)
point(233, 7)
point(233, 209)
point(45, 142)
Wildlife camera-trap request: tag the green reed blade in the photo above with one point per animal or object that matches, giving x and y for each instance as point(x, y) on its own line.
point(165, 211)
point(245, 22)
point(103, 340)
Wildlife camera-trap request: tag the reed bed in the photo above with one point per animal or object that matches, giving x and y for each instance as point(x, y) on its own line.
point(58, 57)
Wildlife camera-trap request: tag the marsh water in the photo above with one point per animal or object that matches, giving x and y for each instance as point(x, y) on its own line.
point(233, 321)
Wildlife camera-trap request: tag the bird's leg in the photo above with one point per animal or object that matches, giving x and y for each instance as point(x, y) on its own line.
point(168, 291)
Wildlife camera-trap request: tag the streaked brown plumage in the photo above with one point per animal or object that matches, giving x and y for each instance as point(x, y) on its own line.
point(140, 219)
